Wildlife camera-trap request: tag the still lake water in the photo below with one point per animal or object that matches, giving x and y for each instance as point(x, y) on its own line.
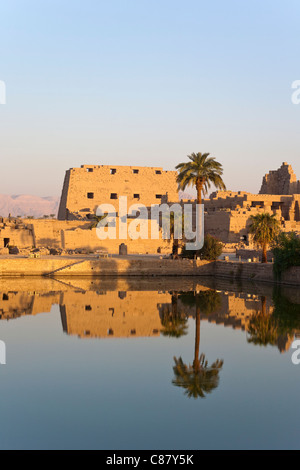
point(118, 364)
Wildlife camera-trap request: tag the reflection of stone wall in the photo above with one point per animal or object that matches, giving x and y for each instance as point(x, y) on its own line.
point(112, 314)
point(17, 304)
point(128, 313)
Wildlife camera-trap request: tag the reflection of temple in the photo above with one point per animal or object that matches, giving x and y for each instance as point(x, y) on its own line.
point(112, 314)
point(18, 304)
point(236, 311)
point(90, 311)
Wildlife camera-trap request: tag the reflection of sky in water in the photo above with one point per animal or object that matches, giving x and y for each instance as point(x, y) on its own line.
point(58, 391)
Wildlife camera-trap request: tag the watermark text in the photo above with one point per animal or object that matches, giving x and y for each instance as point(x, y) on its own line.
point(2, 92)
point(2, 353)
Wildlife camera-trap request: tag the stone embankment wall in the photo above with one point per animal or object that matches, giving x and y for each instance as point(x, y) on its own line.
point(72, 267)
point(64, 267)
point(252, 254)
point(257, 272)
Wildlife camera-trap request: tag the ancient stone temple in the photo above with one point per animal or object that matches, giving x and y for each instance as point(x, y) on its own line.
point(282, 181)
point(88, 187)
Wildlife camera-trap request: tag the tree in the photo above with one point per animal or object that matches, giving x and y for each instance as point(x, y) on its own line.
point(201, 171)
point(264, 228)
point(96, 219)
point(211, 250)
point(176, 223)
point(286, 250)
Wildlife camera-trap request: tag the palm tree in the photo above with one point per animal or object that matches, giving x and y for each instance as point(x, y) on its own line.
point(96, 219)
point(199, 379)
point(264, 228)
point(176, 222)
point(201, 171)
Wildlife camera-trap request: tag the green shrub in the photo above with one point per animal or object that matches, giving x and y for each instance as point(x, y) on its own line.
point(211, 250)
point(286, 251)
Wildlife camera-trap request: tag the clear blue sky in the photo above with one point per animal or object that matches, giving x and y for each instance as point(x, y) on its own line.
point(147, 82)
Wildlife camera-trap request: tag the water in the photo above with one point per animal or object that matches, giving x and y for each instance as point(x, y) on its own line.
point(92, 365)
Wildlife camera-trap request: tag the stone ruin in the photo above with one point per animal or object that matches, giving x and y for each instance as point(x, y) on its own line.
point(227, 214)
point(282, 181)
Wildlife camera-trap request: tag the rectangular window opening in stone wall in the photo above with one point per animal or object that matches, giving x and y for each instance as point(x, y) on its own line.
point(113, 196)
point(158, 172)
point(113, 171)
point(136, 196)
point(90, 170)
point(135, 172)
point(90, 195)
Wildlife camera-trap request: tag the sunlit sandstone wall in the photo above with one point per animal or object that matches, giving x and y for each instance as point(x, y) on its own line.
point(88, 239)
point(49, 233)
point(88, 187)
point(13, 234)
point(228, 214)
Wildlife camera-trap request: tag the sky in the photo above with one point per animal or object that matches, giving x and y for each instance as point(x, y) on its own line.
point(147, 82)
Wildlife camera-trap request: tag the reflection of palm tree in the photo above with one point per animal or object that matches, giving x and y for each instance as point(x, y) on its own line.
point(263, 328)
point(197, 382)
point(198, 379)
point(277, 328)
point(286, 313)
point(174, 323)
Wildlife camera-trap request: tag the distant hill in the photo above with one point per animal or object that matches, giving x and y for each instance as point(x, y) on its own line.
point(189, 196)
point(26, 205)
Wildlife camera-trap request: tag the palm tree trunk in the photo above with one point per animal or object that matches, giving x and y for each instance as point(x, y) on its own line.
point(199, 187)
point(264, 254)
point(175, 248)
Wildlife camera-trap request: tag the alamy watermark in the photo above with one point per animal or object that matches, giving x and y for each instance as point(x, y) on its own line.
point(296, 354)
point(177, 221)
point(296, 93)
point(2, 353)
point(2, 92)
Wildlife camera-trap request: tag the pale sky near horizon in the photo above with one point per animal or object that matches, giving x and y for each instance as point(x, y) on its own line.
point(147, 82)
